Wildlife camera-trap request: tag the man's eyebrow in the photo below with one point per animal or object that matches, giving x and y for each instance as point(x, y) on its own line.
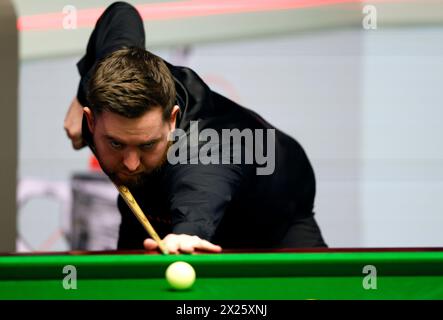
point(109, 137)
point(150, 141)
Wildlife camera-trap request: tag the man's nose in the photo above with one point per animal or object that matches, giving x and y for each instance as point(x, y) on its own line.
point(131, 160)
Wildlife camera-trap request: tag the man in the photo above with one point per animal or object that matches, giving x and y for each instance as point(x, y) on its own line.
point(207, 172)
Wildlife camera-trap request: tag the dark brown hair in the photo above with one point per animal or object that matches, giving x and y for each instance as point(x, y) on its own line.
point(130, 82)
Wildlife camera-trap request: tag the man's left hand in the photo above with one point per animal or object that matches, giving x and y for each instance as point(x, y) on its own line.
point(182, 243)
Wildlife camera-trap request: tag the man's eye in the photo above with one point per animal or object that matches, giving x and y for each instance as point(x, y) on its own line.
point(147, 146)
point(115, 144)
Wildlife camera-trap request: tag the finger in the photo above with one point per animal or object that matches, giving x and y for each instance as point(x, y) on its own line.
point(78, 144)
point(187, 246)
point(208, 246)
point(150, 244)
point(188, 243)
point(171, 242)
point(69, 134)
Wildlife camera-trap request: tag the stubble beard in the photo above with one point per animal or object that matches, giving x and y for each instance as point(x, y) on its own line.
point(139, 179)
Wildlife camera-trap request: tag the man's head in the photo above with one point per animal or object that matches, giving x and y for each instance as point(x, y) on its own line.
point(131, 110)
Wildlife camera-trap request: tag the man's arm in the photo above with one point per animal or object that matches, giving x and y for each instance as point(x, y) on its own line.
point(119, 26)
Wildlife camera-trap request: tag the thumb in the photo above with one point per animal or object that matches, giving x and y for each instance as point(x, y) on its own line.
point(150, 244)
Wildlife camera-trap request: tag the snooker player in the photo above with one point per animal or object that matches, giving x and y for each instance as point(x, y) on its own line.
point(132, 108)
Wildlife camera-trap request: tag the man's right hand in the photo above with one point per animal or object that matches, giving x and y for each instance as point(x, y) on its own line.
point(73, 124)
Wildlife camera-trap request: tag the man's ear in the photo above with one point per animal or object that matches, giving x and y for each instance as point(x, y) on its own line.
point(90, 118)
point(173, 117)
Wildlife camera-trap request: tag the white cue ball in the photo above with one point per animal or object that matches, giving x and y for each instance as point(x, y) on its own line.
point(180, 275)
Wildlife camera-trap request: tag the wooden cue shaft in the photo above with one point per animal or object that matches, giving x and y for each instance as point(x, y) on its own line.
point(132, 203)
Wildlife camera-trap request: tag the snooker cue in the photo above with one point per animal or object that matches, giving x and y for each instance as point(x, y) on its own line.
point(132, 203)
point(135, 208)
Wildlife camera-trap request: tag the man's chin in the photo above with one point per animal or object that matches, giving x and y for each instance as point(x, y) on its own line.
point(136, 180)
point(129, 181)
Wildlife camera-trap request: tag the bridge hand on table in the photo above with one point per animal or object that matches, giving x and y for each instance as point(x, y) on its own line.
point(182, 243)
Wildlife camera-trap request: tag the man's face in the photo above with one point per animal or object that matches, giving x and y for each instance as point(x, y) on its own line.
point(130, 149)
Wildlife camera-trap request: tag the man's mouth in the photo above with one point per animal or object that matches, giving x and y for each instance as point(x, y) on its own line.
point(130, 174)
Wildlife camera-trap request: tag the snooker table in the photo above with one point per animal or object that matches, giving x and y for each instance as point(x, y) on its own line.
point(408, 273)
